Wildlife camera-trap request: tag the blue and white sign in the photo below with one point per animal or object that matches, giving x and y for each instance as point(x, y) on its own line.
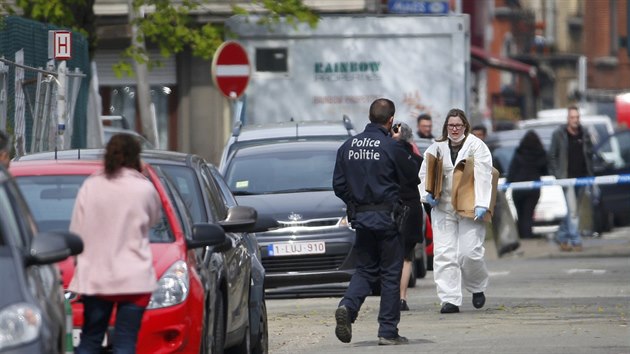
point(427, 7)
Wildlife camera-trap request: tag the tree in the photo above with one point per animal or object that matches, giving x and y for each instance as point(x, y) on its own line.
point(168, 25)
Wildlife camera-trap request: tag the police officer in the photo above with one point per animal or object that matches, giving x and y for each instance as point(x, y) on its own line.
point(367, 177)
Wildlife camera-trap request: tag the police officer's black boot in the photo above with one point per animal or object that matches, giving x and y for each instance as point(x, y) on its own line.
point(343, 331)
point(399, 340)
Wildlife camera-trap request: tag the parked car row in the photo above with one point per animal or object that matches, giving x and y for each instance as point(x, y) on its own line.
point(210, 293)
point(213, 257)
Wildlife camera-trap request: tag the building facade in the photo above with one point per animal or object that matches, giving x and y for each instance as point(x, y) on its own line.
point(525, 56)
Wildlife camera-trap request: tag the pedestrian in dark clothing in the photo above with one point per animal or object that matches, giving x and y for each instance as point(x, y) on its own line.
point(412, 225)
point(368, 172)
point(528, 164)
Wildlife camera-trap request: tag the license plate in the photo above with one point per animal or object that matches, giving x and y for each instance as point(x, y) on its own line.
point(76, 338)
point(296, 248)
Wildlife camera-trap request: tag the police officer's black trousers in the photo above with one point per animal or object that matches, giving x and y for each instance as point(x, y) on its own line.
point(379, 257)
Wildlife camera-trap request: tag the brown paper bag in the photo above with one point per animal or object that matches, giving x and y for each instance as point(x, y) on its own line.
point(463, 196)
point(434, 178)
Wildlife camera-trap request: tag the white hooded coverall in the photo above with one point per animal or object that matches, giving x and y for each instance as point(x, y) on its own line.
point(458, 241)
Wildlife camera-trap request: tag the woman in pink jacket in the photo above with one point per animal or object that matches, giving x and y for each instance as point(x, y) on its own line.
point(113, 213)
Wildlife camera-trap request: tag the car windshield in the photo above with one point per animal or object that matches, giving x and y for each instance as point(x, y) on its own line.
point(51, 200)
point(282, 172)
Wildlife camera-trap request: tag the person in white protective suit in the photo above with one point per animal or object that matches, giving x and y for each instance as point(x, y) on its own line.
point(458, 235)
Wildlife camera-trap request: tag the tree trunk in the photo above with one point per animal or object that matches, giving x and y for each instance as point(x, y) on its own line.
point(149, 128)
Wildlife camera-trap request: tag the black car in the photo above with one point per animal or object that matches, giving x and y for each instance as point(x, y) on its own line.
point(252, 135)
point(614, 198)
point(32, 314)
point(208, 200)
point(292, 183)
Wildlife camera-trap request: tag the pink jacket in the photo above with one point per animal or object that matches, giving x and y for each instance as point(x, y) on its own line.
point(113, 217)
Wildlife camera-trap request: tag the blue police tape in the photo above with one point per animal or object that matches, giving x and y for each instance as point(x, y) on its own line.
point(568, 182)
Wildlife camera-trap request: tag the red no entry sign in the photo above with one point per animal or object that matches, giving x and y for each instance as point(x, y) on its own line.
point(231, 69)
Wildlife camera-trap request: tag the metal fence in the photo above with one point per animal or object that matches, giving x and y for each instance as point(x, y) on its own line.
point(33, 109)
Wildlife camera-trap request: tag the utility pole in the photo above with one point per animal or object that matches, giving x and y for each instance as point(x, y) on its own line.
point(149, 128)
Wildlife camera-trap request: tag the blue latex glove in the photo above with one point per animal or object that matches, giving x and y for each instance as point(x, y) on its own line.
point(429, 198)
point(480, 212)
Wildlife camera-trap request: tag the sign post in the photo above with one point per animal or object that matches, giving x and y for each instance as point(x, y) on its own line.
point(231, 71)
point(60, 48)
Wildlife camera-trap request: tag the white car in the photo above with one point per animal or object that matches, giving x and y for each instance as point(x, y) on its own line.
point(551, 207)
point(549, 211)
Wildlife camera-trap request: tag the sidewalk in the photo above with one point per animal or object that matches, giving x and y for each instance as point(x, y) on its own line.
point(610, 244)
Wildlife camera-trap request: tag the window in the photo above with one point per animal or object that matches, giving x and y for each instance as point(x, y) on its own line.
point(51, 200)
point(121, 100)
point(185, 181)
point(282, 172)
point(214, 194)
point(272, 60)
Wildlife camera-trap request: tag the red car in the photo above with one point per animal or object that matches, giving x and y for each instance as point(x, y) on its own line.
point(178, 318)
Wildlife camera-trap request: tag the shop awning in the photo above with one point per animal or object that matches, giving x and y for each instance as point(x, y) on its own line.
point(502, 63)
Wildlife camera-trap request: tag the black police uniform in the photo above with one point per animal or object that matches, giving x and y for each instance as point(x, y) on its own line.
point(367, 176)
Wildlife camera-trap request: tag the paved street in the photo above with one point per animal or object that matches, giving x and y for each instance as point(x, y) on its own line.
point(539, 301)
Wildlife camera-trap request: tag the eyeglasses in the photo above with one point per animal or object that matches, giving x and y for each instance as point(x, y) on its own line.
point(455, 126)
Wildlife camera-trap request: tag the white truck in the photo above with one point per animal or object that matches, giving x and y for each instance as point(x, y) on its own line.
point(422, 63)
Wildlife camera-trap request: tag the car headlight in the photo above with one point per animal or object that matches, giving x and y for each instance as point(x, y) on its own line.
point(173, 287)
point(343, 222)
point(19, 323)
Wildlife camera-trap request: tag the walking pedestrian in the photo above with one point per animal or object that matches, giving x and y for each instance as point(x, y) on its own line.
point(458, 234)
point(528, 164)
point(5, 150)
point(570, 156)
point(412, 225)
point(368, 171)
point(113, 213)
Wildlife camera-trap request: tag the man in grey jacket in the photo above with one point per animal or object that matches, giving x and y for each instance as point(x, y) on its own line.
point(570, 156)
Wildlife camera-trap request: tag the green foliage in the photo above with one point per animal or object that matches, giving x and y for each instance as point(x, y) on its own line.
point(168, 26)
point(293, 11)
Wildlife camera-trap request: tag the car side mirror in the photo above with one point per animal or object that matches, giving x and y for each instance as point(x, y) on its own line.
point(206, 235)
point(52, 247)
point(239, 219)
point(246, 219)
point(74, 242)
